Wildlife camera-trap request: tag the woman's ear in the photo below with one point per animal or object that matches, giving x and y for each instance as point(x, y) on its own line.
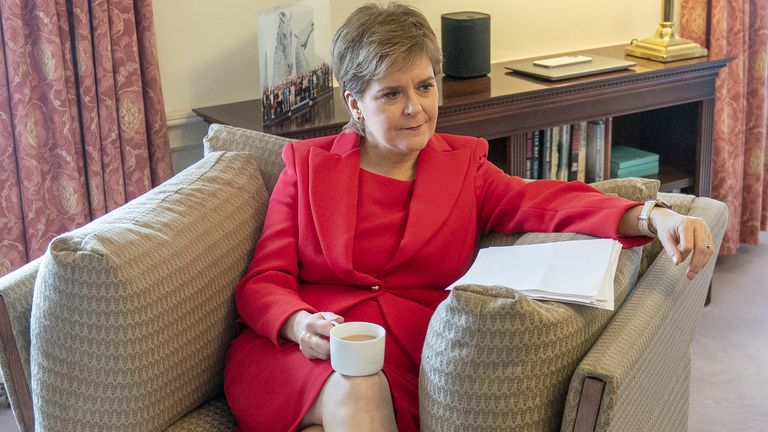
point(352, 104)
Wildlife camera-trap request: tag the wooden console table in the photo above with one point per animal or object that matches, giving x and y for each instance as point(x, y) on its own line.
point(666, 108)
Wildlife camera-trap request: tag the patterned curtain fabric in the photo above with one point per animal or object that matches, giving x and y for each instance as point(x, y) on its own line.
point(739, 29)
point(82, 123)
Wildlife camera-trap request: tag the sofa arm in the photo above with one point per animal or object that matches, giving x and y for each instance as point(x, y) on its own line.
point(16, 290)
point(642, 359)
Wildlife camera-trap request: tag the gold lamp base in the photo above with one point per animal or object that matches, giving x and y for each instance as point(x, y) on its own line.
point(665, 46)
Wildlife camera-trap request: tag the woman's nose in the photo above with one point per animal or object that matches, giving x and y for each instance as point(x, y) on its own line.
point(412, 104)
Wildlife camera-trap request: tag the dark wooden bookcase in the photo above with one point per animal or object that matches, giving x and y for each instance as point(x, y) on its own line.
point(665, 108)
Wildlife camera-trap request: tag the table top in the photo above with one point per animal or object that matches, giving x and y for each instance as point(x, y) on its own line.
point(331, 111)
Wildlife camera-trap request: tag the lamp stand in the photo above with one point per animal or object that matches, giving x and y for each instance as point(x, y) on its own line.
point(665, 45)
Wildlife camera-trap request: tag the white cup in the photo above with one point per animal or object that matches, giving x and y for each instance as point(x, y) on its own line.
point(357, 358)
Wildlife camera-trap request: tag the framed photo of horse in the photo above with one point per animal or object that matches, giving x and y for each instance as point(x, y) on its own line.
point(293, 75)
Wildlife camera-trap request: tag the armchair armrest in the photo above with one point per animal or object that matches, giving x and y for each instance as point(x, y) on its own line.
point(16, 290)
point(643, 356)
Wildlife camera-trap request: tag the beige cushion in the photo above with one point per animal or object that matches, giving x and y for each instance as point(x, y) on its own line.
point(213, 416)
point(633, 188)
point(495, 359)
point(132, 315)
point(267, 148)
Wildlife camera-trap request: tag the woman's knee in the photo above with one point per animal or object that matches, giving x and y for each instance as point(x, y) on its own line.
point(365, 388)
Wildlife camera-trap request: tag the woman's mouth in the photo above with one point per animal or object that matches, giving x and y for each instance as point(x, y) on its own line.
point(414, 128)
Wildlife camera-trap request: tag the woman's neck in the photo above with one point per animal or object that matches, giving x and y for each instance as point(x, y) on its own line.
point(401, 166)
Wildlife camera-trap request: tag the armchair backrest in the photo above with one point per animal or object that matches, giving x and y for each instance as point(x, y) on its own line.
point(267, 148)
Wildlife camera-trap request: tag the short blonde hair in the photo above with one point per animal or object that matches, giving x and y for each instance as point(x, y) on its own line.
point(373, 39)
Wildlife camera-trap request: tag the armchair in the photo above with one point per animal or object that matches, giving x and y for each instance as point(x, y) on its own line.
point(125, 322)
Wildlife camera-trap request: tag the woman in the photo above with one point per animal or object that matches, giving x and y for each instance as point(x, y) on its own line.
point(372, 224)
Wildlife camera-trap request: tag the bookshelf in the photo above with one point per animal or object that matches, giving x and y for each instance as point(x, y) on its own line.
point(666, 108)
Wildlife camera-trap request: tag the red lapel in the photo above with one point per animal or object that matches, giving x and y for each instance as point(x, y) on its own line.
point(440, 173)
point(333, 180)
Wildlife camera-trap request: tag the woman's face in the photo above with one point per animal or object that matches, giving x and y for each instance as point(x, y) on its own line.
point(399, 109)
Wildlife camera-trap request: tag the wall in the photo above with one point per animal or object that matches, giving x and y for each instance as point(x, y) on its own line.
point(208, 49)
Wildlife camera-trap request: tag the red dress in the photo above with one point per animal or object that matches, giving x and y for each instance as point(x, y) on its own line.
point(340, 239)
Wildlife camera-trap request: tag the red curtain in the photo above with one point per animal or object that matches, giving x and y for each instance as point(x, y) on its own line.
point(82, 123)
point(739, 29)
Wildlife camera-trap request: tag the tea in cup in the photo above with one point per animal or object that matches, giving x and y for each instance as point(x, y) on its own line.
point(357, 348)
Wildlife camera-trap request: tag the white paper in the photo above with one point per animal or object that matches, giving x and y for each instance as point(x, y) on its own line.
point(579, 271)
point(563, 61)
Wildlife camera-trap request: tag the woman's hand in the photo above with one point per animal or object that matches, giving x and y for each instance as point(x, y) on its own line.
point(311, 331)
point(682, 236)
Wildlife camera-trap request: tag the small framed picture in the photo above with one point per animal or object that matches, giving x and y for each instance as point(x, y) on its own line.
point(293, 75)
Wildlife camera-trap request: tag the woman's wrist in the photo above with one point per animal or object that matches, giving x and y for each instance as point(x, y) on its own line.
point(293, 326)
point(656, 215)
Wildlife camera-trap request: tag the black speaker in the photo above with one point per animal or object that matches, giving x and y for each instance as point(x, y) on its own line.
point(466, 40)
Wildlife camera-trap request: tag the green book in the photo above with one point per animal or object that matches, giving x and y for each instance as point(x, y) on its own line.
point(636, 171)
point(626, 157)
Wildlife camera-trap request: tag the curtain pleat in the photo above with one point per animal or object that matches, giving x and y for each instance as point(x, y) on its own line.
point(81, 117)
point(737, 29)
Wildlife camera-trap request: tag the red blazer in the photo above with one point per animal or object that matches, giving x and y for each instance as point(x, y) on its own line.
point(304, 257)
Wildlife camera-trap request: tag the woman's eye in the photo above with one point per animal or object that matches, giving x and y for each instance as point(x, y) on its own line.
point(426, 87)
point(391, 95)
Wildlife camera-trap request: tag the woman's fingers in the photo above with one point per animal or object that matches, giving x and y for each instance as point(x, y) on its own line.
point(669, 240)
point(686, 241)
point(313, 340)
point(327, 325)
point(702, 250)
point(314, 346)
point(320, 322)
point(688, 236)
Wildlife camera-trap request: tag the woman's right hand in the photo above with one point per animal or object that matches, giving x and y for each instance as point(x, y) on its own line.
point(311, 332)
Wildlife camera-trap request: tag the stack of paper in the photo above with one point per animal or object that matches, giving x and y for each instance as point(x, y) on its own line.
point(579, 271)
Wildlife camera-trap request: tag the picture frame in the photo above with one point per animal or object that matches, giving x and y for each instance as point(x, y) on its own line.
point(292, 74)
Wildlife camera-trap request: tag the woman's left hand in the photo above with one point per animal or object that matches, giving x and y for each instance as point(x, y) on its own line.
point(682, 236)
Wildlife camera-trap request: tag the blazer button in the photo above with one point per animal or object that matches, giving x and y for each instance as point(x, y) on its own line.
point(375, 288)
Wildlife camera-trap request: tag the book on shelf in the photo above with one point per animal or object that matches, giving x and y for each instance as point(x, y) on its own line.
point(577, 153)
point(536, 158)
point(573, 159)
point(637, 171)
point(546, 153)
point(581, 172)
point(578, 271)
point(565, 152)
point(528, 155)
point(555, 150)
point(629, 161)
point(607, 144)
point(627, 156)
point(595, 150)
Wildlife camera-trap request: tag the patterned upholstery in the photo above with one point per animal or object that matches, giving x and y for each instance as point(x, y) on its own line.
point(213, 416)
point(495, 359)
point(633, 188)
point(643, 356)
point(16, 292)
point(267, 148)
point(132, 316)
